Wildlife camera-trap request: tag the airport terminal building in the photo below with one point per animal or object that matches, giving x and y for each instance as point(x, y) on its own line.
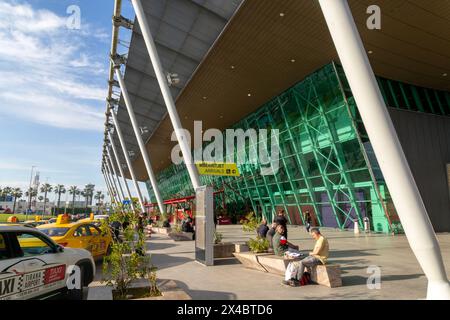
point(264, 64)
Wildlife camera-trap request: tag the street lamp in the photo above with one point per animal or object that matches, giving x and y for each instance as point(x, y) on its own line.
point(29, 190)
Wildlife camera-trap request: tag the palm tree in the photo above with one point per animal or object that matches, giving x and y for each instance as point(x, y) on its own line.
point(17, 193)
point(59, 189)
point(88, 193)
point(74, 191)
point(46, 188)
point(7, 191)
point(99, 196)
point(31, 193)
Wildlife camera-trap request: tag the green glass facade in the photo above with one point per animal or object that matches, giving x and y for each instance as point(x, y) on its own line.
point(326, 167)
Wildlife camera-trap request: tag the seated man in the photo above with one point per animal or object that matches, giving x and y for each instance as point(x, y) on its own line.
point(270, 234)
point(263, 229)
point(280, 244)
point(166, 224)
point(295, 270)
point(187, 225)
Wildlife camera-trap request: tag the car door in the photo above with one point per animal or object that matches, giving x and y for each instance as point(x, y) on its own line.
point(11, 268)
point(44, 266)
point(99, 241)
point(83, 238)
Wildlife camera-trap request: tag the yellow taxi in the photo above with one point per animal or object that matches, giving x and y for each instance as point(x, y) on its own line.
point(82, 234)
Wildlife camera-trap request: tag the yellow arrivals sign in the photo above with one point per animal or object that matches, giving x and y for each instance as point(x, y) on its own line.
point(218, 169)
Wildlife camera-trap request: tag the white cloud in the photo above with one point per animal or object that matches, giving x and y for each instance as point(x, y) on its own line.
point(48, 74)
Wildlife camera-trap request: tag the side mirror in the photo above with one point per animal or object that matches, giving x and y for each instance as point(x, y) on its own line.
point(59, 248)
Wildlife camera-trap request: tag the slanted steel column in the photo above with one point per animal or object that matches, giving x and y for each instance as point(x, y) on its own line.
point(168, 99)
point(108, 184)
point(111, 178)
point(109, 157)
point(387, 147)
point(112, 196)
point(139, 139)
point(116, 156)
point(127, 158)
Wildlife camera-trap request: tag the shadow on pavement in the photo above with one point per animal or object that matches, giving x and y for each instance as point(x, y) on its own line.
point(226, 261)
point(360, 280)
point(163, 261)
point(206, 294)
point(159, 246)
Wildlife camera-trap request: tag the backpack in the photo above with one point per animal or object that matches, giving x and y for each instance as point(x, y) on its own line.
point(306, 279)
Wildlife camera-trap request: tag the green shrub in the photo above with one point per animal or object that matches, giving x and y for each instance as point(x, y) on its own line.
point(128, 260)
point(251, 224)
point(217, 237)
point(258, 245)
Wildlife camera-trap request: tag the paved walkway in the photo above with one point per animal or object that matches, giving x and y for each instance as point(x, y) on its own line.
point(402, 277)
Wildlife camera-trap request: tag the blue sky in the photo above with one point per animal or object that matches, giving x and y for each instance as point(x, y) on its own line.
point(53, 82)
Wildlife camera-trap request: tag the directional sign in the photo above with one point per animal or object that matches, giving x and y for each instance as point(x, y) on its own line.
point(218, 169)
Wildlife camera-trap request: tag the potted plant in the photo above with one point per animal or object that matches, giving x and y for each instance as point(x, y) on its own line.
point(222, 249)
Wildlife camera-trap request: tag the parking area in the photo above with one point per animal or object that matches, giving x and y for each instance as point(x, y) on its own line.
point(401, 276)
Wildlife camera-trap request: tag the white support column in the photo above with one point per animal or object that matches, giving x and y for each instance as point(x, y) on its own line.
point(111, 178)
point(387, 147)
point(119, 165)
point(168, 99)
point(139, 139)
point(109, 157)
point(127, 159)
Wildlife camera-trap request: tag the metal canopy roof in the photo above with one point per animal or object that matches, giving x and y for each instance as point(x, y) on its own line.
point(184, 31)
point(412, 46)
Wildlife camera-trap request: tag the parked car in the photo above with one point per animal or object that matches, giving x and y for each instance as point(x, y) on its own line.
point(33, 266)
point(79, 234)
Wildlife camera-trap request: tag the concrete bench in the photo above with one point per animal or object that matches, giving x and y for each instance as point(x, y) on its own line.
point(250, 260)
point(182, 236)
point(275, 264)
point(165, 231)
point(241, 247)
point(327, 275)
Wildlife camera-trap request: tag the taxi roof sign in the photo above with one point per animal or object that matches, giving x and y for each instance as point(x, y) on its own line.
point(63, 219)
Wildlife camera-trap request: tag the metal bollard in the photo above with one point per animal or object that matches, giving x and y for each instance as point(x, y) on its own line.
point(356, 227)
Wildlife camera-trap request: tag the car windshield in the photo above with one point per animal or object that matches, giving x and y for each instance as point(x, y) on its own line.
point(55, 232)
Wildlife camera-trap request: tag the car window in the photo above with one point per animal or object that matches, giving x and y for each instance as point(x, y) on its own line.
point(95, 230)
point(32, 244)
point(54, 232)
point(5, 253)
point(83, 231)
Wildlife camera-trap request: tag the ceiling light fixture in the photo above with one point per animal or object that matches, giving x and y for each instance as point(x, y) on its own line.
point(249, 94)
point(233, 67)
point(281, 14)
point(370, 51)
point(292, 60)
point(444, 74)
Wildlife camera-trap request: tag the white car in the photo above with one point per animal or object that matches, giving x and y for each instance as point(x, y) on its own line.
point(33, 266)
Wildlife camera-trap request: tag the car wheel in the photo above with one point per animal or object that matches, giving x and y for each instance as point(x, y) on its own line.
point(77, 294)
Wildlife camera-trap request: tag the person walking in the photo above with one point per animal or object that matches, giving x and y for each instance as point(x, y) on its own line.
point(308, 221)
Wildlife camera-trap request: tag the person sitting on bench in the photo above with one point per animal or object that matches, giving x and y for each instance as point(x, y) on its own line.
point(295, 269)
point(280, 244)
point(263, 229)
point(187, 225)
